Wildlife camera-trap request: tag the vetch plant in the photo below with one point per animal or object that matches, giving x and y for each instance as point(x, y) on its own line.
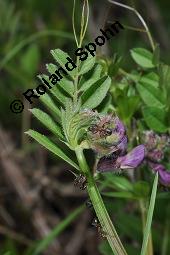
point(83, 118)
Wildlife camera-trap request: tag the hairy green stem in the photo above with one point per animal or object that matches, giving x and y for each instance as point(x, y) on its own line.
point(99, 207)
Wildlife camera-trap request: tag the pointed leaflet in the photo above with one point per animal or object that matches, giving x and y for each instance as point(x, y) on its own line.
point(92, 97)
point(61, 57)
point(151, 95)
point(46, 99)
point(155, 119)
point(142, 57)
point(95, 77)
point(44, 141)
point(55, 90)
point(64, 83)
point(87, 65)
point(150, 79)
point(48, 122)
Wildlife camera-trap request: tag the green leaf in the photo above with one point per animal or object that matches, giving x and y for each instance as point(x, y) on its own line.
point(147, 229)
point(61, 57)
point(151, 95)
point(92, 97)
point(150, 79)
point(64, 83)
point(46, 99)
point(155, 119)
point(164, 73)
point(45, 242)
point(45, 119)
point(94, 78)
point(87, 65)
point(142, 57)
point(56, 91)
point(44, 141)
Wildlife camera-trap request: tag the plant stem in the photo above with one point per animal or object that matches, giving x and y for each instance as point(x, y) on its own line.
point(99, 207)
point(140, 18)
point(144, 215)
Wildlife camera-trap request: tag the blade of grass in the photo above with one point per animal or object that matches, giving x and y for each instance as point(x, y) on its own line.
point(149, 216)
point(44, 243)
point(29, 40)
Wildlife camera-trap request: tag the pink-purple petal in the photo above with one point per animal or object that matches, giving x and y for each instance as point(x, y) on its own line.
point(164, 175)
point(133, 158)
point(122, 146)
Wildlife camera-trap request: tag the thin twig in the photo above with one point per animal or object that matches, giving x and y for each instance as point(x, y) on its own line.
point(140, 18)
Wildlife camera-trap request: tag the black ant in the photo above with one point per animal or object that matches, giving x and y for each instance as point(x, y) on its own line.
point(81, 182)
point(97, 225)
point(103, 132)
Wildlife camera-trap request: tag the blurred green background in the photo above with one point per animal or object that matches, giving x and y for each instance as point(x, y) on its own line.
point(36, 191)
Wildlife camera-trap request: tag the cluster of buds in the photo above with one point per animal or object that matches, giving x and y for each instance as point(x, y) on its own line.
point(156, 147)
point(107, 137)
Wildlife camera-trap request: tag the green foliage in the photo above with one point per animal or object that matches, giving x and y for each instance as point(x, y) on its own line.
point(94, 78)
point(155, 118)
point(49, 103)
point(61, 58)
point(44, 141)
point(151, 95)
point(143, 57)
point(47, 121)
point(87, 65)
point(94, 95)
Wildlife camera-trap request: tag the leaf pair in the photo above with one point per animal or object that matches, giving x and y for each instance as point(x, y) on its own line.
point(151, 90)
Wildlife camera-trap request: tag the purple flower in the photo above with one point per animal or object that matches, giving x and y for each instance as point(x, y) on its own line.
point(106, 135)
point(117, 162)
point(156, 146)
point(164, 175)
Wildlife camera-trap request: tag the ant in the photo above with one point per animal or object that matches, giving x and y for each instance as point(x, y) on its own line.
point(81, 182)
point(97, 225)
point(101, 129)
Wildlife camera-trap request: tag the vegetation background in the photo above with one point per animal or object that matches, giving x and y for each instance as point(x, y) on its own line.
point(37, 195)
